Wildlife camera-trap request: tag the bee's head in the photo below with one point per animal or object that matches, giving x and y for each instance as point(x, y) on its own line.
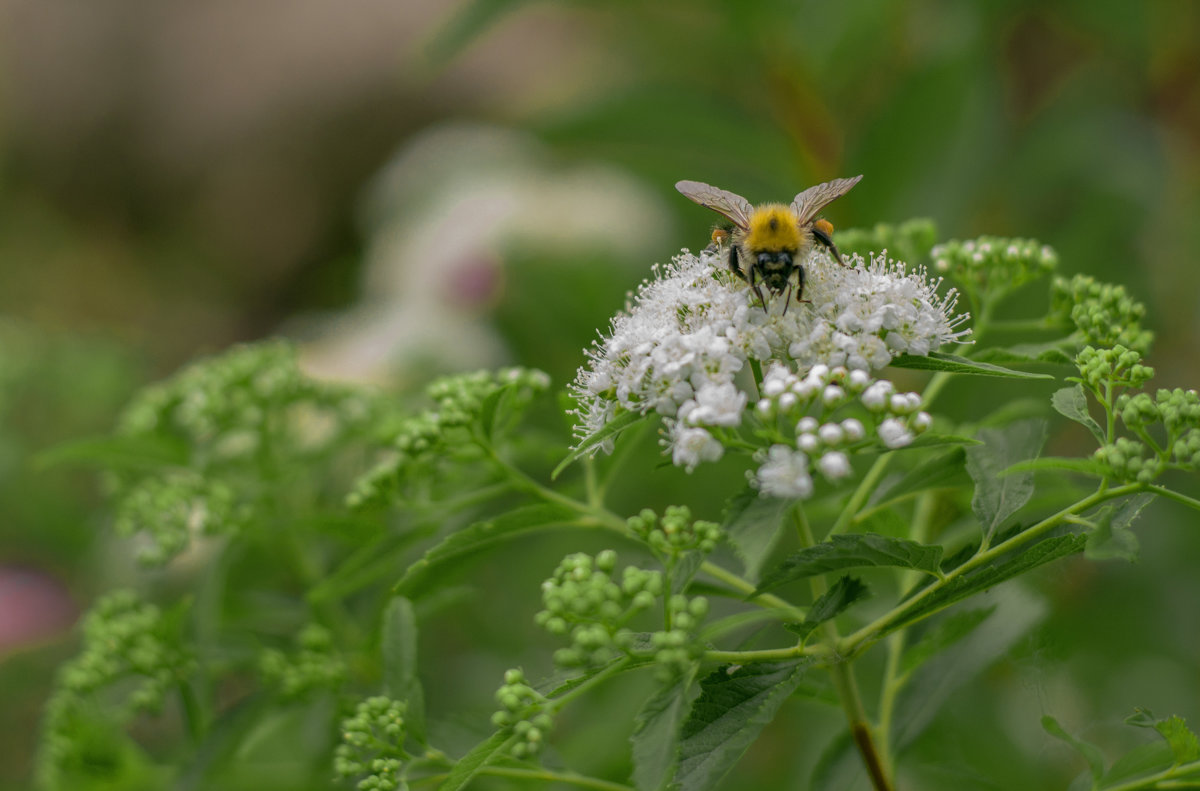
point(773, 227)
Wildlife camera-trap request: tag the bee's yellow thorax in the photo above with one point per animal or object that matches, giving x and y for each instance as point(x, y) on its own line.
point(773, 227)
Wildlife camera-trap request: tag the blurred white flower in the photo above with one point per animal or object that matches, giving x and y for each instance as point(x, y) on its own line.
point(784, 473)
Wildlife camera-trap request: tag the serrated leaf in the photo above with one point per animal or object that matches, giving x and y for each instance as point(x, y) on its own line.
point(1020, 561)
point(398, 645)
point(685, 569)
point(1072, 402)
point(1184, 745)
point(115, 451)
point(373, 561)
point(841, 595)
point(996, 498)
point(1112, 537)
point(952, 363)
point(727, 717)
point(753, 525)
point(613, 427)
point(469, 765)
point(946, 633)
point(657, 729)
point(852, 551)
point(1090, 752)
point(480, 536)
point(1069, 464)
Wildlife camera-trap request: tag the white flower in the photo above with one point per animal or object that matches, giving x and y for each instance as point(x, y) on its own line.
point(678, 347)
point(834, 465)
point(830, 433)
point(784, 473)
point(808, 442)
point(807, 424)
point(894, 434)
point(714, 405)
point(690, 446)
point(854, 429)
point(877, 396)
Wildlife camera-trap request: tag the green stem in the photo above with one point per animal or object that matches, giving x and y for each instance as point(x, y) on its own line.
point(865, 487)
point(616, 667)
point(546, 775)
point(1154, 780)
point(770, 600)
point(867, 634)
point(841, 668)
point(1171, 494)
point(766, 654)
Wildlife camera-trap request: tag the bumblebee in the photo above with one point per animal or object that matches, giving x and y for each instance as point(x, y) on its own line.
point(767, 244)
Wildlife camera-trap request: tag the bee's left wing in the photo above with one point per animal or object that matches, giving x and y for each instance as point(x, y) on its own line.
point(812, 200)
point(730, 205)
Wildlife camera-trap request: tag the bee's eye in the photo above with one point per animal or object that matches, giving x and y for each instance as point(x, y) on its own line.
point(783, 257)
point(764, 258)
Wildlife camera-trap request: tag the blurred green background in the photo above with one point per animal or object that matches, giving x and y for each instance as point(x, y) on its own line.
point(422, 185)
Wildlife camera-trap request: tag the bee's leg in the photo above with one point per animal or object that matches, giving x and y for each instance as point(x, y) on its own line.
point(800, 286)
point(787, 300)
point(734, 264)
point(827, 240)
point(758, 291)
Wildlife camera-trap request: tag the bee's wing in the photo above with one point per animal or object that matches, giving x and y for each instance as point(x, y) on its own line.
point(812, 200)
point(733, 207)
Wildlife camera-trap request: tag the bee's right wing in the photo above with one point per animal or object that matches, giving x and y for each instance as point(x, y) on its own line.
point(812, 200)
point(733, 207)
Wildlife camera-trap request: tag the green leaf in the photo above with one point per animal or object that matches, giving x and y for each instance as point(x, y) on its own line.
point(997, 498)
point(1050, 352)
point(1090, 752)
point(118, 452)
point(1085, 466)
point(398, 645)
point(733, 707)
point(928, 440)
point(1072, 402)
point(945, 633)
point(373, 561)
point(619, 423)
point(1185, 747)
point(940, 471)
point(470, 764)
point(841, 595)
point(480, 536)
point(753, 525)
point(951, 363)
point(851, 551)
point(657, 729)
point(1143, 760)
point(1012, 564)
point(1112, 537)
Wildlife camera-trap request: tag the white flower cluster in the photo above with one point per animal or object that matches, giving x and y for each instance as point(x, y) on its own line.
point(821, 443)
point(688, 331)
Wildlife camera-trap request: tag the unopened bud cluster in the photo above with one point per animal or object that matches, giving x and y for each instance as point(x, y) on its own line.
point(676, 533)
point(372, 746)
point(461, 400)
point(170, 510)
point(313, 665)
point(1166, 428)
point(1104, 315)
point(908, 241)
point(585, 601)
point(677, 647)
point(125, 638)
point(523, 713)
point(799, 414)
point(1117, 367)
point(995, 263)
